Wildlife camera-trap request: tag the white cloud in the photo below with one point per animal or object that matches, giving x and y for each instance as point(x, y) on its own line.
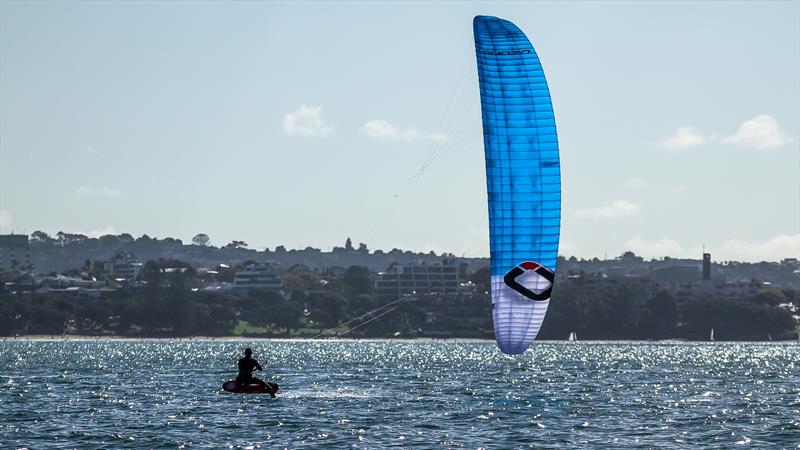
point(86, 191)
point(108, 229)
point(107, 191)
point(6, 222)
point(761, 132)
point(773, 249)
point(684, 137)
point(657, 248)
point(381, 129)
point(620, 208)
point(306, 121)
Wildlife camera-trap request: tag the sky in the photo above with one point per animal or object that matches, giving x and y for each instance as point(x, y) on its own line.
point(305, 123)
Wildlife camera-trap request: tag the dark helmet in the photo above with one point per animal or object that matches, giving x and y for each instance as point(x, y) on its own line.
point(248, 351)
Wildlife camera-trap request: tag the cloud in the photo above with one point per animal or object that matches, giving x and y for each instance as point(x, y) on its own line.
point(684, 137)
point(306, 121)
point(107, 191)
point(381, 129)
point(773, 249)
point(620, 208)
point(86, 191)
point(655, 249)
point(6, 222)
point(108, 229)
point(761, 132)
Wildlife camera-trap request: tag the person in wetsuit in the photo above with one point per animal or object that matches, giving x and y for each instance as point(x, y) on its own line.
point(245, 376)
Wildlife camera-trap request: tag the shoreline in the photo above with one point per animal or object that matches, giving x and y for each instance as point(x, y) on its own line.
point(87, 338)
point(77, 337)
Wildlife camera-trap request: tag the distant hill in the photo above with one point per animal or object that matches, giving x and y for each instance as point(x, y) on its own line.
point(71, 250)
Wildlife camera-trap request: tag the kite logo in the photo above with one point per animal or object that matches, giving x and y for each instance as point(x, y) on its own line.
point(527, 276)
point(506, 52)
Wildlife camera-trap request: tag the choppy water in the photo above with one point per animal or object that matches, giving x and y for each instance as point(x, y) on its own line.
point(337, 394)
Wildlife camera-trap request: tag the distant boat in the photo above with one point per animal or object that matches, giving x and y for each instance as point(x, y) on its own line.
point(572, 336)
point(711, 335)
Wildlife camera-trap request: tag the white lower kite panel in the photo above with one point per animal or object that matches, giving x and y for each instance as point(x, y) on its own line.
point(517, 319)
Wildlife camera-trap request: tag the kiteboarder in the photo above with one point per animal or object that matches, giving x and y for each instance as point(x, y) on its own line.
point(246, 367)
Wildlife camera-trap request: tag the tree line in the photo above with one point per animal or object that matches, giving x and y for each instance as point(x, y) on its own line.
point(169, 303)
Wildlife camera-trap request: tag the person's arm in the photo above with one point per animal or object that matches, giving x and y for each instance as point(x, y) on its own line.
point(258, 366)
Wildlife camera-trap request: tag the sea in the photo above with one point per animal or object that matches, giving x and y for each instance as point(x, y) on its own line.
point(166, 394)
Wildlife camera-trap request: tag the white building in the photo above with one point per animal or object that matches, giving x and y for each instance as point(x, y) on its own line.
point(399, 280)
point(257, 276)
point(718, 289)
point(123, 269)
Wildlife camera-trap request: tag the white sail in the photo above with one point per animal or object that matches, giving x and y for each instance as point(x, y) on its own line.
point(572, 336)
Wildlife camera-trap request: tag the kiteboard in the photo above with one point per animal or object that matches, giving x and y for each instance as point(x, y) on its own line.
point(233, 386)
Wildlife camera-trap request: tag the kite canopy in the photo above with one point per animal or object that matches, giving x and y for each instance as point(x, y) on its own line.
point(523, 180)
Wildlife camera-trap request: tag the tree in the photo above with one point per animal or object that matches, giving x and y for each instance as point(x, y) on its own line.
point(201, 239)
point(41, 238)
point(90, 316)
point(236, 244)
point(213, 315)
point(348, 245)
point(10, 322)
point(326, 308)
point(362, 304)
point(225, 273)
point(151, 273)
point(482, 279)
point(109, 240)
point(661, 317)
point(357, 280)
point(70, 238)
point(178, 305)
point(288, 315)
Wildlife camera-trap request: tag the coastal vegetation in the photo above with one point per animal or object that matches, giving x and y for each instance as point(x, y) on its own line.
point(165, 302)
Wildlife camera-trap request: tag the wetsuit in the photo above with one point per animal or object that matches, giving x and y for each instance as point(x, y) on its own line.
point(245, 376)
point(246, 367)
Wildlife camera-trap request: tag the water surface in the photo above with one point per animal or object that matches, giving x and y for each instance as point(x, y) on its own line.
point(378, 394)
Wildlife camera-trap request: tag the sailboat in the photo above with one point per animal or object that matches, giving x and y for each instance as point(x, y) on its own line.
point(572, 336)
point(711, 335)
